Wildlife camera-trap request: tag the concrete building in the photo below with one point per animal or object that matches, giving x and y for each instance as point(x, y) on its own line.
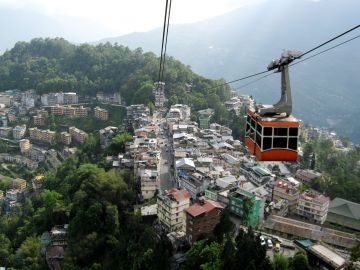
point(19, 184)
point(42, 135)
point(38, 120)
point(65, 137)
point(13, 194)
point(136, 111)
point(245, 205)
point(69, 111)
point(19, 132)
point(284, 190)
point(106, 135)
point(24, 145)
point(171, 207)
point(51, 99)
point(101, 114)
point(149, 182)
point(201, 219)
point(313, 206)
point(159, 93)
point(306, 176)
point(344, 213)
point(70, 98)
point(5, 99)
point(77, 134)
point(205, 117)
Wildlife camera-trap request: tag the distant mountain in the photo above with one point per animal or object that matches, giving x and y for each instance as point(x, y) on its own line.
point(325, 88)
point(24, 25)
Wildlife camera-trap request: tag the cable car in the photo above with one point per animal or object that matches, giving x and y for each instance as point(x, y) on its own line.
point(271, 132)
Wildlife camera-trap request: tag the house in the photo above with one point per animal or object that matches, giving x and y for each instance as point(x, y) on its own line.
point(306, 176)
point(285, 190)
point(201, 219)
point(344, 213)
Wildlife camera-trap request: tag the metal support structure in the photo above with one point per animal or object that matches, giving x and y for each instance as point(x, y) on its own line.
point(284, 105)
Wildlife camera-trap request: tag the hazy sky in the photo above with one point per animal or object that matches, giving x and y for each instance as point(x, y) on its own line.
point(125, 16)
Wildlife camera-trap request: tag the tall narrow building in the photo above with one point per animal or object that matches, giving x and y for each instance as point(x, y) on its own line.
point(159, 93)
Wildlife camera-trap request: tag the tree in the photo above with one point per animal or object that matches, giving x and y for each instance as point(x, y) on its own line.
point(5, 251)
point(300, 261)
point(204, 256)
point(28, 256)
point(117, 144)
point(280, 262)
point(151, 107)
point(224, 227)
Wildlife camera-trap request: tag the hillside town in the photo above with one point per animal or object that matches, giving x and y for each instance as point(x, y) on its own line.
point(188, 170)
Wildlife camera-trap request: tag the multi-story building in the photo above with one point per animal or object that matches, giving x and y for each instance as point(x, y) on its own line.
point(70, 98)
point(106, 135)
point(24, 145)
point(18, 183)
point(101, 114)
point(171, 207)
point(137, 111)
point(159, 93)
point(77, 134)
point(306, 176)
point(5, 131)
point(42, 135)
point(313, 206)
point(201, 219)
point(204, 118)
point(69, 111)
point(149, 182)
point(65, 137)
point(19, 132)
point(38, 120)
point(52, 99)
point(5, 99)
point(284, 190)
point(245, 205)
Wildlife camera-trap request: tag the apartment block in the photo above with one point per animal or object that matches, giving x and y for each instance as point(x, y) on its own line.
point(5, 131)
point(149, 182)
point(284, 190)
point(5, 99)
point(65, 138)
point(70, 98)
point(77, 134)
point(24, 145)
point(171, 207)
point(101, 114)
point(18, 183)
point(201, 219)
point(19, 132)
point(69, 111)
point(313, 206)
point(38, 120)
point(42, 135)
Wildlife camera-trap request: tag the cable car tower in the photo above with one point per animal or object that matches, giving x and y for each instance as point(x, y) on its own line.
point(271, 131)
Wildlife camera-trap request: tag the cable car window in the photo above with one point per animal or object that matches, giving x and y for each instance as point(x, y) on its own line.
point(252, 134)
point(247, 127)
point(280, 142)
point(258, 128)
point(280, 131)
point(248, 119)
point(267, 131)
point(266, 143)
point(258, 140)
point(252, 123)
point(293, 143)
point(293, 131)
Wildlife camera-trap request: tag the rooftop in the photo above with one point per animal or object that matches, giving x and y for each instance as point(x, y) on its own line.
point(345, 208)
point(312, 195)
point(328, 255)
point(200, 208)
point(177, 194)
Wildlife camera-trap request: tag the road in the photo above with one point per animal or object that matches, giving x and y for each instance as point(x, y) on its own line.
point(166, 161)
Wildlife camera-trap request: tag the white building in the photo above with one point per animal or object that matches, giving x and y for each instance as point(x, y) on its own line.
point(171, 207)
point(313, 205)
point(19, 132)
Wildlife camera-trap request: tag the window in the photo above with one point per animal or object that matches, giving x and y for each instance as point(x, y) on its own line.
point(267, 131)
point(258, 140)
point(266, 143)
point(247, 127)
point(259, 128)
point(252, 134)
point(252, 123)
point(280, 143)
point(293, 143)
point(280, 131)
point(293, 131)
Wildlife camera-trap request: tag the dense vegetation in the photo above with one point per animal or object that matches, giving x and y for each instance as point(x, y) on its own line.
point(49, 65)
point(341, 169)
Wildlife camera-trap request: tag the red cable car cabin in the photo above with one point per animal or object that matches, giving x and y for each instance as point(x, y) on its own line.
point(272, 138)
